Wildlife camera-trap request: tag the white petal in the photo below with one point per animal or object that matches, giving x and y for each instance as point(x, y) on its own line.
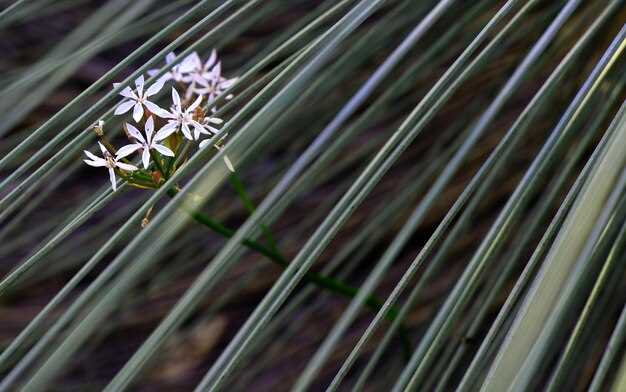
point(127, 92)
point(228, 83)
point(91, 155)
point(176, 98)
point(103, 149)
point(167, 129)
point(164, 132)
point(217, 70)
point(155, 109)
point(145, 157)
point(123, 107)
point(229, 164)
point(201, 82)
point(163, 150)
point(137, 112)
point(155, 88)
point(126, 166)
point(112, 179)
point(195, 104)
point(213, 130)
point(139, 84)
point(204, 143)
point(96, 163)
point(127, 150)
point(215, 120)
point(194, 58)
point(186, 131)
point(189, 63)
point(190, 91)
point(149, 129)
point(211, 59)
point(199, 128)
point(169, 115)
point(134, 132)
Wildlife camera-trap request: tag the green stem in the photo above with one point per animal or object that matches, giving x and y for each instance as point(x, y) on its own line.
point(181, 153)
point(247, 203)
point(312, 277)
point(158, 164)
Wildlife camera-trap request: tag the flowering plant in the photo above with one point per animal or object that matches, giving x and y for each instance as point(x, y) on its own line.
point(163, 137)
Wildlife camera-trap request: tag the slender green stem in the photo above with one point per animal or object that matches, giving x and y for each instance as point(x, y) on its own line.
point(158, 164)
point(312, 277)
point(247, 203)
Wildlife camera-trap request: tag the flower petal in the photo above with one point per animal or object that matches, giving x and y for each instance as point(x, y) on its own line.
point(163, 150)
point(145, 157)
point(229, 164)
point(134, 132)
point(96, 163)
point(176, 98)
point(128, 93)
point(149, 127)
point(226, 84)
point(195, 104)
point(123, 107)
point(155, 88)
point(112, 179)
point(103, 149)
point(91, 155)
point(211, 59)
point(127, 150)
point(186, 131)
point(190, 63)
point(137, 112)
point(164, 132)
point(169, 59)
point(155, 109)
point(217, 70)
point(126, 166)
point(212, 129)
point(139, 84)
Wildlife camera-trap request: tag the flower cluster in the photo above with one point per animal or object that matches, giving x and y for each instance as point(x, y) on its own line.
point(162, 136)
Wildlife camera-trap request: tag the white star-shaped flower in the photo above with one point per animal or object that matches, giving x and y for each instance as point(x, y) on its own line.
point(109, 161)
point(146, 144)
point(138, 99)
point(194, 76)
point(179, 71)
point(213, 84)
point(179, 118)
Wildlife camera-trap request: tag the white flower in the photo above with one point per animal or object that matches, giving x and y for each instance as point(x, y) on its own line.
point(179, 118)
point(138, 99)
point(178, 72)
point(213, 84)
point(206, 79)
point(146, 144)
point(195, 73)
point(109, 161)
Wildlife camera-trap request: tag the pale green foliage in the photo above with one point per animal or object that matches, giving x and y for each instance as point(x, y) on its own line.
point(520, 102)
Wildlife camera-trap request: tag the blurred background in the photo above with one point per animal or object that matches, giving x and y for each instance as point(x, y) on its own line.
point(52, 51)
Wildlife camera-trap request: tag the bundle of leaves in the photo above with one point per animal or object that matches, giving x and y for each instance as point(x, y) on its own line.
point(398, 195)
